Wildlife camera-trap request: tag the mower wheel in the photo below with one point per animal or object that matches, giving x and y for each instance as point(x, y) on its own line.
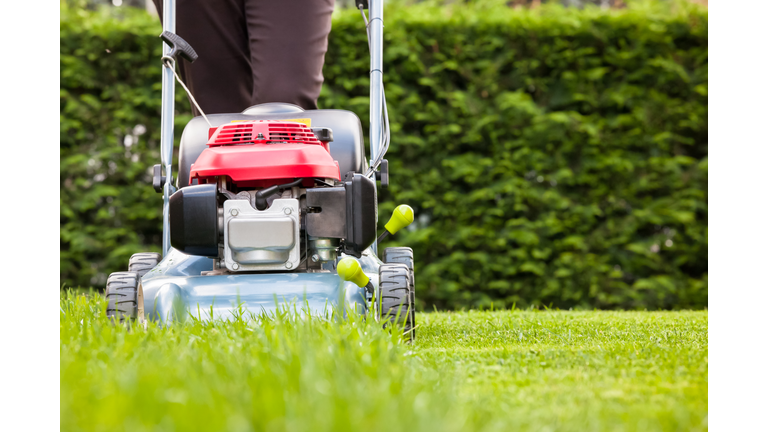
point(395, 298)
point(403, 255)
point(399, 255)
point(143, 262)
point(123, 295)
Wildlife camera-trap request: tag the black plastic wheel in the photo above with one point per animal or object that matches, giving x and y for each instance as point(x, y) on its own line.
point(143, 262)
point(403, 255)
point(399, 255)
point(123, 295)
point(395, 299)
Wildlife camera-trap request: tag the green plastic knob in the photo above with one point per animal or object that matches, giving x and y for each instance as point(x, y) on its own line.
point(349, 270)
point(401, 218)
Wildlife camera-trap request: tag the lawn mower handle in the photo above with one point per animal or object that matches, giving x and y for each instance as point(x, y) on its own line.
point(376, 29)
point(166, 122)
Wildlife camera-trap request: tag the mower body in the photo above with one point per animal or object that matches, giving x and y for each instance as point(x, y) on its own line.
point(227, 253)
point(262, 206)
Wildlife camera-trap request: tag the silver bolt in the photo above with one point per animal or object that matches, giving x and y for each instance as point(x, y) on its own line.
point(233, 212)
point(288, 265)
point(287, 210)
point(235, 266)
point(315, 258)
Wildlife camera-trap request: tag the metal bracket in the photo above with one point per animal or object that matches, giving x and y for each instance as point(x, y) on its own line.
point(382, 174)
point(158, 179)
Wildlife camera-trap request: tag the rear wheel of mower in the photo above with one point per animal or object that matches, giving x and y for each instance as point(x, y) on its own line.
point(123, 295)
point(143, 262)
point(403, 255)
point(395, 298)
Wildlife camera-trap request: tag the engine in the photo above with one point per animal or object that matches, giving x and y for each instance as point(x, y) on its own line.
point(267, 195)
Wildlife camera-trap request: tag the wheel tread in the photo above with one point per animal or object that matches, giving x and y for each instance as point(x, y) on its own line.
point(143, 262)
point(403, 255)
point(122, 295)
point(395, 299)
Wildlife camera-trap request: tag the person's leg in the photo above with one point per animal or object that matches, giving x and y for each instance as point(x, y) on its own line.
point(288, 41)
point(221, 78)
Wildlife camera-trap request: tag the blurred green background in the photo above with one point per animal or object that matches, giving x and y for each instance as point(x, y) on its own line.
point(555, 156)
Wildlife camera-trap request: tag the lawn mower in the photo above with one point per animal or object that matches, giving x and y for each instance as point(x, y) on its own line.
point(271, 206)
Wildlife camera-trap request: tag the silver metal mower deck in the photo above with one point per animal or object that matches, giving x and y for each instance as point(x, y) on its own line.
point(176, 288)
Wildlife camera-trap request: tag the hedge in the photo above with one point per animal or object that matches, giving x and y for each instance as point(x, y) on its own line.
point(554, 157)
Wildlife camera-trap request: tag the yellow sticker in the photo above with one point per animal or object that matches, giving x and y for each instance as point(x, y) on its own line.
point(305, 121)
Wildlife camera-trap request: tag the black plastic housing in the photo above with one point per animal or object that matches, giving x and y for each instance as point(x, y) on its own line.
point(328, 215)
point(362, 213)
point(349, 212)
point(323, 134)
point(194, 220)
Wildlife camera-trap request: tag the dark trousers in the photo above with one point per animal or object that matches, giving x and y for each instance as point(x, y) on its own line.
point(253, 51)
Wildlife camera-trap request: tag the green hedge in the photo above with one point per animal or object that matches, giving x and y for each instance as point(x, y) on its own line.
point(553, 157)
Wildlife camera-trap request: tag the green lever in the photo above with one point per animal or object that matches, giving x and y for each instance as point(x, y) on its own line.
point(349, 270)
point(401, 218)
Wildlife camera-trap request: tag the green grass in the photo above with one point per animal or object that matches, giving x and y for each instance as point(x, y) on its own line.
point(502, 370)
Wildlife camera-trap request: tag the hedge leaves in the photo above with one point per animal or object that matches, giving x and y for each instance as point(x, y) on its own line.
point(553, 157)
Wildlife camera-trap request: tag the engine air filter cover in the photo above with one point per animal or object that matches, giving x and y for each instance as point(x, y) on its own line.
point(262, 240)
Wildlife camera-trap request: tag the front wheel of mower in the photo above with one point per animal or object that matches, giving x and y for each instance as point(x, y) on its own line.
point(395, 298)
point(403, 255)
point(143, 262)
point(123, 295)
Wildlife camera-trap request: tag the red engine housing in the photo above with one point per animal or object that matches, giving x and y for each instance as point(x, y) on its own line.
point(263, 153)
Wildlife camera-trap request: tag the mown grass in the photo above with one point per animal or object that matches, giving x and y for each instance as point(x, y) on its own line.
point(502, 370)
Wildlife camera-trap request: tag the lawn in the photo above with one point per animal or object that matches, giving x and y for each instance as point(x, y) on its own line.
point(467, 371)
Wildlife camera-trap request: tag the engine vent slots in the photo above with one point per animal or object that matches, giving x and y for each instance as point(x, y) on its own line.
point(291, 133)
point(262, 131)
point(234, 134)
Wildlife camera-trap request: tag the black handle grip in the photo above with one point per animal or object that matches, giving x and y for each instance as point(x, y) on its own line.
point(178, 46)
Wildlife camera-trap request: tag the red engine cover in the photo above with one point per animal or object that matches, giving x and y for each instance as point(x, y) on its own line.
point(257, 153)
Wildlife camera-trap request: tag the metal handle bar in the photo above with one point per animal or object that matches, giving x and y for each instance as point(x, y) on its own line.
point(166, 121)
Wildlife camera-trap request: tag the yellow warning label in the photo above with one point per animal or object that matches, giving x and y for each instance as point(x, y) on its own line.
point(305, 121)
